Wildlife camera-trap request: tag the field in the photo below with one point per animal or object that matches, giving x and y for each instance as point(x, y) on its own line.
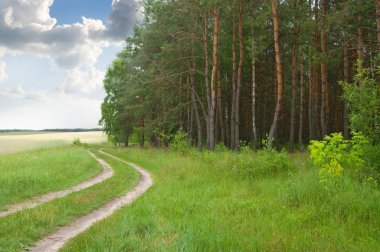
point(26, 174)
point(200, 201)
point(204, 202)
point(30, 140)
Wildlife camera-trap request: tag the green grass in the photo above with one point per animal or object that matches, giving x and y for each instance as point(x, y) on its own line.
point(23, 175)
point(23, 229)
point(238, 202)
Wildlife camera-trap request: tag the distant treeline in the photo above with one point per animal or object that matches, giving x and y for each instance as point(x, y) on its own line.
point(49, 130)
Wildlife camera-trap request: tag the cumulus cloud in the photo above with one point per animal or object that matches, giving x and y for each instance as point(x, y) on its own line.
point(123, 14)
point(27, 27)
point(3, 73)
point(83, 81)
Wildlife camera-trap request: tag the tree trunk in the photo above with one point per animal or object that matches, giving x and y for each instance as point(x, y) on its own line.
point(325, 98)
point(346, 131)
point(279, 74)
point(142, 132)
point(300, 131)
point(378, 24)
point(360, 37)
point(234, 77)
point(311, 81)
point(239, 77)
point(213, 78)
point(294, 88)
point(206, 73)
point(253, 66)
point(220, 109)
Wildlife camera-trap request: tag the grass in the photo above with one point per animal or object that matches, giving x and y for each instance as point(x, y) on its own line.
point(22, 141)
point(238, 202)
point(23, 175)
point(23, 229)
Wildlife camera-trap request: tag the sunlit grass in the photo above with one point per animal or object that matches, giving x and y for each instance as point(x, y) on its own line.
point(23, 229)
point(204, 202)
point(27, 174)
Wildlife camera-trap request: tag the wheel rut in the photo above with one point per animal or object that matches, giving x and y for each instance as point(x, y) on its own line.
point(38, 200)
point(56, 240)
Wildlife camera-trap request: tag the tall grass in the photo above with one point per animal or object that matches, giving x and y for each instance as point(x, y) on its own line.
point(21, 230)
point(225, 201)
point(27, 174)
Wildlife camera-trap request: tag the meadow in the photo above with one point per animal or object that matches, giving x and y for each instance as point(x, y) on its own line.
point(200, 201)
point(225, 201)
point(15, 142)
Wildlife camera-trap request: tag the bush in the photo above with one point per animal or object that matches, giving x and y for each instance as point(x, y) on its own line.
point(178, 143)
point(77, 142)
point(364, 102)
point(334, 154)
point(262, 164)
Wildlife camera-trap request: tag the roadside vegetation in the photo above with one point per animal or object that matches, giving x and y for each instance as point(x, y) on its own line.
point(224, 201)
point(28, 174)
point(21, 230)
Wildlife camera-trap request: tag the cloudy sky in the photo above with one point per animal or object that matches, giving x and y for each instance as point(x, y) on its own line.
point(53, 57)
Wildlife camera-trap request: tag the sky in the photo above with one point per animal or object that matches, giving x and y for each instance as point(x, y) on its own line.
point(53, 58)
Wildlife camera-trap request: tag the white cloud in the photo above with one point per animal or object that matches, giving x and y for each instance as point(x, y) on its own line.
point(83, 81)
point(27, 27)
point(53, 111)
point(3, 73)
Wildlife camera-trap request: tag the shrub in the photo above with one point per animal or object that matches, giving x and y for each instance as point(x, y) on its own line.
point(77, 142)
point(179, 143)
point(262, 164)
point(364, 102)
point(334, 154)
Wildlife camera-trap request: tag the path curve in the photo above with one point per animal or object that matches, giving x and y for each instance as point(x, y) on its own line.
point(56, 240)
point(38, 200)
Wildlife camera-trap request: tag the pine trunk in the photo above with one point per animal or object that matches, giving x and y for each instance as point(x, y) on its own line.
point(253, 66)
point(324, 98)
point(220, 109)
point(294, 90)
point(206, 73)
point(346, 131)
point(213, 78)
point(239, 77)
point(234, 77)
point(300, 131)
point(276, 117)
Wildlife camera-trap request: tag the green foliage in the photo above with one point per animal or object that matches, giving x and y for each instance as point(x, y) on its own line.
point(334, 154)
point(221, 147)
point(77, 142)
point(364, 103)
point(200, 206)
point(178, 143)
point(261, 164)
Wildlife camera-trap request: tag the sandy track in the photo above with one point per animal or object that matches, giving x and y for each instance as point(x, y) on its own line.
point(56, 240)
point(36, 201)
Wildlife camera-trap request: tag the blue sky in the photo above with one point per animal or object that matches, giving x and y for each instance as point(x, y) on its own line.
point(71, 11)
point(53, 57)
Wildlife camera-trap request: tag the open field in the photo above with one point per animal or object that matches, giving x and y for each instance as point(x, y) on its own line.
point(204, 202)
point(23, 229)
point(27, 141)
point(26, 174)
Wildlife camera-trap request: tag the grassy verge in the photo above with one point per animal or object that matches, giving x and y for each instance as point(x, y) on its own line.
point(22, 229)
point(27, 174)
point(238, 202)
